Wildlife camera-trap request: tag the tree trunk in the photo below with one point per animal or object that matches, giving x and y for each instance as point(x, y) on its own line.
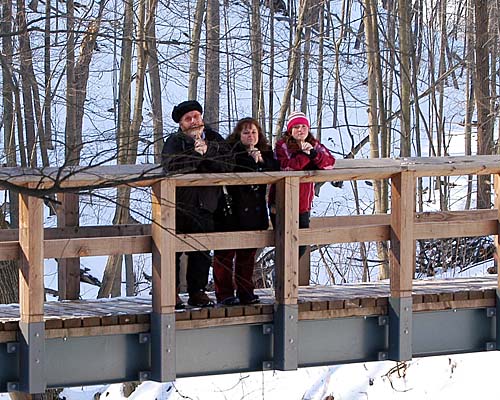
point(373, 121)
point(293, 67)
point(321, 45)
point(469, 92)
point(125, 144)
point(194, 52)
point(338, 44)
point(271, 71)
point(8, 89)
point(154, 76)
point(443, 188)
point(47, 113)
point(482, 89)
point(212, 65)
point(73, 143)
point(404, 48)
point(311, 13)
point(256, 46)
point(24, 55)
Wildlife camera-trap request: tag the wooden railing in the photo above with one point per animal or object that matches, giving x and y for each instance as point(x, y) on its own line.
point(31, 244)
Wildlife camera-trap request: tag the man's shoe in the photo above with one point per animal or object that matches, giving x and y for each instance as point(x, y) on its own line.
point(251, 299)
point(200, 299)
point(179, 305)
point(229, 301)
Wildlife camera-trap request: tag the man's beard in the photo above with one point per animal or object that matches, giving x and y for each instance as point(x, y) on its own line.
point(195, 132)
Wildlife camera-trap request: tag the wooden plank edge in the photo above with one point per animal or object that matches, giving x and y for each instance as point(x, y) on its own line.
point(97, 331)
point(454, 304)
point(210, 323)
point(342, 313)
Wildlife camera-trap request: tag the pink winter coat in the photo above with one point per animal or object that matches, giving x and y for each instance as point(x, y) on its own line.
point(297, 160)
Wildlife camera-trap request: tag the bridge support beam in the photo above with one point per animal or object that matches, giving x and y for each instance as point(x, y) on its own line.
point(400, 328)
point(286, 330)
point(32, 357)
point(163, 368)
point(163, 354)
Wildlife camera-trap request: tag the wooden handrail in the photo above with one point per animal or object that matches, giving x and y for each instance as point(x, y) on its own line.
point(143, 175)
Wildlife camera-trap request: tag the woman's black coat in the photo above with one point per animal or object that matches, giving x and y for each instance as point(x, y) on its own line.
point(249, 209)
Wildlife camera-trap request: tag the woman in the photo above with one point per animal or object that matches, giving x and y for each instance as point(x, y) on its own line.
point(248, 212)
point(298, 150)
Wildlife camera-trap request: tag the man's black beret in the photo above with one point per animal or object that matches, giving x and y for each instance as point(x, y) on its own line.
point(185, 107)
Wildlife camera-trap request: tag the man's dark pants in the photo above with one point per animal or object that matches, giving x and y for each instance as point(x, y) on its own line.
point(199, 262)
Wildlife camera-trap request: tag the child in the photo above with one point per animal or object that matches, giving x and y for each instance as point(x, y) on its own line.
point(298, 150)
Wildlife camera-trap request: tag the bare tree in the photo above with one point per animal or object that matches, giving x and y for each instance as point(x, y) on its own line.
point(293, 67)
point(212, 65)
point(404, 48)
point(482, 92)
point(256, 45)
point(194, 51)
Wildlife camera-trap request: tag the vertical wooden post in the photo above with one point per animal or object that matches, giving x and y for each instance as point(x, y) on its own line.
point(402, 255)
point(402, 265)
point(31, 295)
point(287, 238)
point(496, 188)
point(68, 269)
point(164, 287)
point(287, 274)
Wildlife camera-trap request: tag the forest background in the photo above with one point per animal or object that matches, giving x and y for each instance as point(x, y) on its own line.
point(90, 83)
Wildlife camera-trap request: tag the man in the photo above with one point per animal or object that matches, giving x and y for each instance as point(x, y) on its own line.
point(195, 148)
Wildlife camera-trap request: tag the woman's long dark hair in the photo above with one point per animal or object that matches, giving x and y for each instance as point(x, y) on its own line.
point(292, 143)
point(235, 136)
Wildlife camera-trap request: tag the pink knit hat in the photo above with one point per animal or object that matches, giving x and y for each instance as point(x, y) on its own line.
point(296, 118)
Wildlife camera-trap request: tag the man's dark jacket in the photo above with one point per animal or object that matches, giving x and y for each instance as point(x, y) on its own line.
point(179, 156)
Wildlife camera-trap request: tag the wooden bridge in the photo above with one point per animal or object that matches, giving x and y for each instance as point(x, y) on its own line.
point(68, 343)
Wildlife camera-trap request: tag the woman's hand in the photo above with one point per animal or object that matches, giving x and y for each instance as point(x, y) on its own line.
point(255, 154)
point(306, 147)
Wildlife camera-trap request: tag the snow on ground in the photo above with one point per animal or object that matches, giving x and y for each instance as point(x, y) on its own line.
point(457, 377)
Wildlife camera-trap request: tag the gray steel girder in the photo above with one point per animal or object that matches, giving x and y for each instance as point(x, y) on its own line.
point(244, 348)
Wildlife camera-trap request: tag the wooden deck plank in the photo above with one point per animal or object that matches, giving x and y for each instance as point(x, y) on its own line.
point(102, 316)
